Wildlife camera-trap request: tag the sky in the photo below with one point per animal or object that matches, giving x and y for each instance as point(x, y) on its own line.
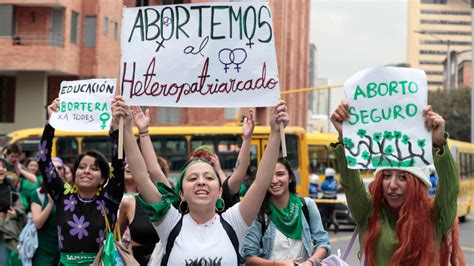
point(352, 35)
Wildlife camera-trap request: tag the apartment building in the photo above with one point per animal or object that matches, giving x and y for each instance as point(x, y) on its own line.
point(434, 26)
point(44, 42)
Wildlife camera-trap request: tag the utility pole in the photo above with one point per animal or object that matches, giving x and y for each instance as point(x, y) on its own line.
point(448, 78)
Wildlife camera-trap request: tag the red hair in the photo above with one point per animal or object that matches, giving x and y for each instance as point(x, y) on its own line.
point(415, 229)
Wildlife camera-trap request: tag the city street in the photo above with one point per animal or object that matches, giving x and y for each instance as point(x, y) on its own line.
point(340, 240)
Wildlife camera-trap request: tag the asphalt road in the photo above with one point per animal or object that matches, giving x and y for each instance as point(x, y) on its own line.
point(340, 240)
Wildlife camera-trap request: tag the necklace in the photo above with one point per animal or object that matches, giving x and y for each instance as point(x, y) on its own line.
point(86, 200)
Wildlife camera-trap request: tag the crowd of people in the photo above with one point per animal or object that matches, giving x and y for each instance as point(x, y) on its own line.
point(208, 217)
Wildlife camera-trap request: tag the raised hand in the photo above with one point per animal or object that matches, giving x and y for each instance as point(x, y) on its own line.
point(120, 109)
point(436, 124)
point(280, 114)
point(53, 107)
point(247, 126)
point(142, 120)
point(339, 116)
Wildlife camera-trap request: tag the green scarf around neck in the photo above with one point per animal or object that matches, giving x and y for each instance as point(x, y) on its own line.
point(288, 220)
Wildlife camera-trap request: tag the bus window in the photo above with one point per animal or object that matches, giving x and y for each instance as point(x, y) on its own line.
point(318, 158)
point(67, 149)
point(98, 143)
point(254, 155)
point(226, 147)
point(292, 150)
point(173, 149)
point(29, 146)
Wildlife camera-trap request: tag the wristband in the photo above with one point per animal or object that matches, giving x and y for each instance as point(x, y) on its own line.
point(312, 262)
point(143, 132)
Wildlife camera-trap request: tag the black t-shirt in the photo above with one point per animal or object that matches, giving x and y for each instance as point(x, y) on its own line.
point(5, 196)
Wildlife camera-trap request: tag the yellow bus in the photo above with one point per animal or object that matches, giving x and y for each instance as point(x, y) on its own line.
point(176, 145)
point(320, 156)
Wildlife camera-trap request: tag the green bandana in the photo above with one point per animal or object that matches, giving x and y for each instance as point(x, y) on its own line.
point(74, 259)
point(288, 220)
point(169, 197)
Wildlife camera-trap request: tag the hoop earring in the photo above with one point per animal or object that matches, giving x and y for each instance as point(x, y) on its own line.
point(220, 205)
point(98, 190)
point(181, 209)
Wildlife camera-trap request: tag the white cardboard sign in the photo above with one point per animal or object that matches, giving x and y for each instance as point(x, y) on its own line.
point(386, 125)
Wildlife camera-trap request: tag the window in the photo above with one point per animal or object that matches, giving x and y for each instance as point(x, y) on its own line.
point(115, 30)
point(106, 26)
point(7, 99)
point(6, 20)
point(433, 52)
point(434, 72)
point(168, 115)
point(173, 149)
point(439, 2)
point(440, 42)
point(226, 147)
point(446, 12)
point(439, 32)
point(90, 25)
point(427, 62)
point(435, 82)
point(74, 25)
point(445, 22)
point(231, 113)
point(67, 149)
point(98, 143)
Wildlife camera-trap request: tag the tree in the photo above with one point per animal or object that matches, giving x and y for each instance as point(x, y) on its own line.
point(455, 107)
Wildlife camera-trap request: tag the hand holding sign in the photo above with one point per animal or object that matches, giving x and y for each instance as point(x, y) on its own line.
point(436, 124)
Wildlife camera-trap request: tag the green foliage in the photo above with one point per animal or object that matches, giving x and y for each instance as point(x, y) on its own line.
point(455, 107)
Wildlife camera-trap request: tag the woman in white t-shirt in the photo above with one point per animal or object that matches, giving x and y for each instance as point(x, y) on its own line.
point(204, 238)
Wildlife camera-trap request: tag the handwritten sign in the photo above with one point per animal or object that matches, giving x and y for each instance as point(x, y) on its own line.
point(386, 125)
point(84, 105)
point(199, 55)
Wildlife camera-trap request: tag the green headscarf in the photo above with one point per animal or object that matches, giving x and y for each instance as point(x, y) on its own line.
point(169, 197)
point(288, 220)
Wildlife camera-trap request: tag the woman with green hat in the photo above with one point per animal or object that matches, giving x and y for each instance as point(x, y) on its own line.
point(196, 232)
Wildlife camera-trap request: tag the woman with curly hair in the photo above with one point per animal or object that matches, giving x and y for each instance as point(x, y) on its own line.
point(399, 224)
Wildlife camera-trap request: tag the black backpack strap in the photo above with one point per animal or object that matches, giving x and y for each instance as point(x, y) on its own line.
point(262, 219)
point(305, 210)
point(170, 243)
point(233, 238)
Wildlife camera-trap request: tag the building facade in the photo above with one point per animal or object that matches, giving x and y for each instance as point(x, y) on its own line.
point(461, 73)
point(434, 28)
point(44, 42)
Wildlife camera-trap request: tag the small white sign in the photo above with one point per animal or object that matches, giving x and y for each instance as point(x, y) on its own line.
point(84, 105)
point(386, 125)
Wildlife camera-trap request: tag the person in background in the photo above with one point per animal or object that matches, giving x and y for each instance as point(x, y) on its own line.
point(288, 229)
point(80, 208)
point(43, 212)
point(329, 189)
point(26, 186)
point(248, 180)
point(12, 153)
point(399, 223)
point(313, 185)
point(68, 176)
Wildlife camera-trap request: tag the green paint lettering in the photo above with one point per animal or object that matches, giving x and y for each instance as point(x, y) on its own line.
point(169, 27)
point(246, 23)
point(179, 25)
point(413, 87)
point(396, 112)
point(373, 117)
point(138, 24)
point(358, 92)
point(371, 92)
point(354, 118)
point(200, 8)
point(264, 23)
point(214, 24)
point(386, 116)
point(393, 88)
point(238, 21)
point(149, 13)
point(411, 109)
point(363, 116)
point(381, 90)
point(403, 82)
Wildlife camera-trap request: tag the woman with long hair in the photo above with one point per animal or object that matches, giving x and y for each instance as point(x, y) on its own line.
point(196, 233)
point(96, 191)
point(282, 234)
point(399, 224)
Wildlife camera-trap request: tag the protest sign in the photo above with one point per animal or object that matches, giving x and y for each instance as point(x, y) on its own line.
point(84, 105)
point(199, 55)
point(386, 125)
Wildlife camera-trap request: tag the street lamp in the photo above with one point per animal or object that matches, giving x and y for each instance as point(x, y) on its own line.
point(448, 56)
